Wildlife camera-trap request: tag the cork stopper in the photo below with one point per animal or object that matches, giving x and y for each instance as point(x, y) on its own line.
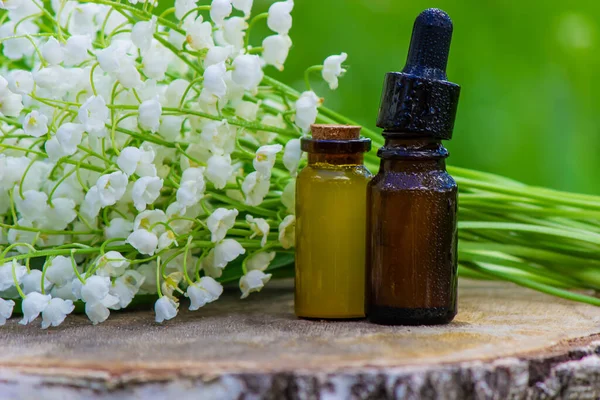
point(335, 132)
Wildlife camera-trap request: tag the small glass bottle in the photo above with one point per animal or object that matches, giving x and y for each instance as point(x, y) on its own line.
point(412, 201)
point(330, 224)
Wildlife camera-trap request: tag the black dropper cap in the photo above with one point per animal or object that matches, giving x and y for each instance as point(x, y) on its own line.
point(419, 101)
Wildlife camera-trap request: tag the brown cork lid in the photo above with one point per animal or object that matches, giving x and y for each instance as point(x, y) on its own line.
point(335, 132)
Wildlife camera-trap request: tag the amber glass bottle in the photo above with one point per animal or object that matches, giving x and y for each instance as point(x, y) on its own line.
point(412, 201)
point(330, 224)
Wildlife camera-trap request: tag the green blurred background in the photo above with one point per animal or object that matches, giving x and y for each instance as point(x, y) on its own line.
point(528, 69)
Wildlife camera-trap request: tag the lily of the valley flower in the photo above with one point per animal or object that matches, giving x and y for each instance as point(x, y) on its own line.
point(307, 110)
point(60, 271)
point(133, 160)
point(143, 241)
point(226, 251)
point(192, 187)
point(247, 71)
point(276, 50)
point(149, 114)
point(199, 34)
point(95, 294)
point(52, 51)
point(260, 261)
point(265, 159)
point(243, 5)
point(145, 191)
point(111, 188)
point(93, 114)
point(218, 170)
point(10, 103)
point(35, 124)
point(332, 69)
point(253, 281)
point(292, 155)
point(287, 232)
point(259, 227)
point(219, 10)
point(203, 292)
point(279, 19)
point(33, 304)
point(112, 264)
point(6, 310)
point(6, 274)
point(165, 309)
point(125, 287)
point(255, 188)
point(56, 311)
point(220, 221)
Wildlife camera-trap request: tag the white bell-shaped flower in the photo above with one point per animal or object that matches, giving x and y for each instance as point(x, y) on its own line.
point(33, 304)
point(292, 155)
point(225, 251)
point(111, 188)
point(118, 228)
point(129, 76)
point(142, 34)
point(125, 287)
point(93, 114)
point(52, 51)
point(265, 159)
point(234, 32)
point(165, 309)
point(114, 56)
point(203, 292)
point(32, 282)
point(111, 264)
point(255, 188)
point(69, 136)
point(76, 49)
point(276, 49)
point(247, 71)
point(143, 241)
point(287, 232)
point(307, 110)
point(191, 189)
point(56, 311)
point(332, 69)
point(6, 310)
point(60, 271)
point(247, 110)
point(259, 227)
point(260, 261)
point(151, 220)
point(219, 10)
point(149, 114)
point(219, 222)
point(19, 82)
point(10, 103)
point(166, 240)
point(214, 79)
point(145, 191)
point(219, 170)
point(35, 124)
point(199, 34)
point(253, 281)
point(182, 7)
point(243, 5)
point(133, 160)
point(217, 55)
point(279, 19)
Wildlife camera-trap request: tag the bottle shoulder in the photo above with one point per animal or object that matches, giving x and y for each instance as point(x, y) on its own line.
point(437, 180)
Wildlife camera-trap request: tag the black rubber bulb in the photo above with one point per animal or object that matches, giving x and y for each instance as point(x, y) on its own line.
point(430, 45)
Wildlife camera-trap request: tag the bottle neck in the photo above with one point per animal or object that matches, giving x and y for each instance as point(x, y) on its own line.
point(412, 155)
point(335, 159)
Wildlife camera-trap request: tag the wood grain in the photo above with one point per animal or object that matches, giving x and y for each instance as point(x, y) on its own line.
point(506, 342)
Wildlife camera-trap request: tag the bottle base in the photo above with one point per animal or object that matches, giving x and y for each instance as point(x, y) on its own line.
point(384, 315)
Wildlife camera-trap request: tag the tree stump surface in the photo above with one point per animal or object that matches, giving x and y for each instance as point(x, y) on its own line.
point(506, 342)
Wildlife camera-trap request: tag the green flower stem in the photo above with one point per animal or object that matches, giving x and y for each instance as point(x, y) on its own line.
point(253, 22)
point(16, 281)
point(197, 9)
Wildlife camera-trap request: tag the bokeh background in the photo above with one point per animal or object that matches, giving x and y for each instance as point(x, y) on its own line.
point(529, 71)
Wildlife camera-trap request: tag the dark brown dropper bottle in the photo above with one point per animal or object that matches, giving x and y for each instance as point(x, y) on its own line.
point(412, 201)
